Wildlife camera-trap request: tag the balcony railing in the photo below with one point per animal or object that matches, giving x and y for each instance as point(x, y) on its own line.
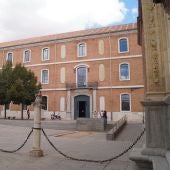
point(89, 85)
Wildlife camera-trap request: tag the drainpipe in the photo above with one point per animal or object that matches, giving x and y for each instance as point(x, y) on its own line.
point(110, 53)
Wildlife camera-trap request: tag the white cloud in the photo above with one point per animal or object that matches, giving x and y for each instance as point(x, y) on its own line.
point(22, 19)
point(134, 11)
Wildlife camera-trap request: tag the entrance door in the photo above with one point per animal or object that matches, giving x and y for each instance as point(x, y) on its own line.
point(81, 106)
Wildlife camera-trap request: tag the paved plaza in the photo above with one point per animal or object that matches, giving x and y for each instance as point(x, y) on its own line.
point(83, 145)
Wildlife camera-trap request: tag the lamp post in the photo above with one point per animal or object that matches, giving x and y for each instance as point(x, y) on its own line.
point(36, 150)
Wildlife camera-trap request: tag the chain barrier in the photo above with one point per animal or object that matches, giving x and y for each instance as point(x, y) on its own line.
point(73, 158)
point(95, 161)
point(12, 151)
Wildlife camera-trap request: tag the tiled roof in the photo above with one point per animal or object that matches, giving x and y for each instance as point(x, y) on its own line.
point(65, 35)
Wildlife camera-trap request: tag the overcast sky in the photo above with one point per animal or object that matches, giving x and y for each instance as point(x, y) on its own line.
point(29, 18)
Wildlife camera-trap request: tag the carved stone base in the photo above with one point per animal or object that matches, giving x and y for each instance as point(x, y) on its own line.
point(36, 153)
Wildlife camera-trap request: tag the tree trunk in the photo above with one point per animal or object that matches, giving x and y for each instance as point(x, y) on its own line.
point(22, 108)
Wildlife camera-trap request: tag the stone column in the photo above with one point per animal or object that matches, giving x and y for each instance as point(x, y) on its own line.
point(94, 100)
point(157, 85)
point(36, 150)
point(156, 43)
point(68, 104)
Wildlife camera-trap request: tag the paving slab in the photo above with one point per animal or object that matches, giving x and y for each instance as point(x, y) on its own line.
point(84, 145)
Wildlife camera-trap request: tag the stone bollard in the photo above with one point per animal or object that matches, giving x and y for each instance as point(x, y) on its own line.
point(36, 150)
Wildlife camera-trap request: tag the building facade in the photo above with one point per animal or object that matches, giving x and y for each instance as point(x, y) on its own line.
point(84, 72)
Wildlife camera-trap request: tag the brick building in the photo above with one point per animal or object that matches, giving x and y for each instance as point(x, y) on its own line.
point(84, 71)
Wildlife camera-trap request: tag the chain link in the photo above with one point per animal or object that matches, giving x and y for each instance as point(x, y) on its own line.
point(73, 158)
point(12, 151)
point(95, 161)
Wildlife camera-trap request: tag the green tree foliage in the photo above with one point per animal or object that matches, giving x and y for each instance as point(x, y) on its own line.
point(5, 84)
point(24, 86)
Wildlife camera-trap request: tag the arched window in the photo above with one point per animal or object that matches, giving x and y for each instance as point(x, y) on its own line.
point(26, 56)
point(81, 76)
point(45, 53)
point(44, 76)
point(124, 73)
point(125, 102)
point(44, 104)
point(123, 45)
point(9, 56)
point(81, 49)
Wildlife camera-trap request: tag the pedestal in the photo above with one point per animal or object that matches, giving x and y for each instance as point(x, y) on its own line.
point(36, 150)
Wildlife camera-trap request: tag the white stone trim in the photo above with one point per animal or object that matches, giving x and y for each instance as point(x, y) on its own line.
point(24, 56)
point(119, 45)
point(85, 44)
point(82, 66)
point(86, 60)
point(47, 101)
point(121, 103)
point(48, 54)
point(128, 71)
point(41, 76)
point(7, 56)
point(105, 87)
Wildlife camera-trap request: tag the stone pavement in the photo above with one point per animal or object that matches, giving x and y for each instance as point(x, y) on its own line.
point(85, 145)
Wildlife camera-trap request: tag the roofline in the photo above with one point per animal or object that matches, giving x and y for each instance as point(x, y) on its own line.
point(68, 38)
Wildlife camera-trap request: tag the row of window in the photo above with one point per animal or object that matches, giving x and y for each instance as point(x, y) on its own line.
point(82, 74)
point(125, 103)
point(81, 51)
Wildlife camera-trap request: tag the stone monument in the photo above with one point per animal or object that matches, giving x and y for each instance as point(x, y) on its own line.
point(154, 36)
point(36, 150)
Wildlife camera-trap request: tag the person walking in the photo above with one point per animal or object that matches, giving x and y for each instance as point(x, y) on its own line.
point(28, 113)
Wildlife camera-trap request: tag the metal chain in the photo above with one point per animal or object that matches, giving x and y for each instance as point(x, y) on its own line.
point(95, 161)
point(12, 151)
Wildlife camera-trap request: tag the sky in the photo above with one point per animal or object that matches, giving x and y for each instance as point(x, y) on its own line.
point(21, 19)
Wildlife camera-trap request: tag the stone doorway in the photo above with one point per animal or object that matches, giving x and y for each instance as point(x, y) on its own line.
point(82, 106)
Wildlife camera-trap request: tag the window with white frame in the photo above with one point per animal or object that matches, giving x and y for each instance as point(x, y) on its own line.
point(82, 50)
point(44, 76)
point(45, 54)
point(125, 102)
point(124, 72)
point(81, 76)
point(44, 103)
point(9, 57)
point(27, 56)
point(123, 45)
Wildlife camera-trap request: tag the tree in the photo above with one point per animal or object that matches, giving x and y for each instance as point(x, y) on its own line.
point(5, 84)
point(24, 87)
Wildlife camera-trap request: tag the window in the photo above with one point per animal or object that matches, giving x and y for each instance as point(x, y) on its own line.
point(125, 102)
point(9, 56)
point(81, 76)
point(45, 54)
point(44, 103)
point(27, 56)
point(123, 45)
point(44, 76)
point(124, 72)
point(82, 49)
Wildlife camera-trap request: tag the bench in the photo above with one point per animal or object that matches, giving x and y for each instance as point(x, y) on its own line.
point(111, 134)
